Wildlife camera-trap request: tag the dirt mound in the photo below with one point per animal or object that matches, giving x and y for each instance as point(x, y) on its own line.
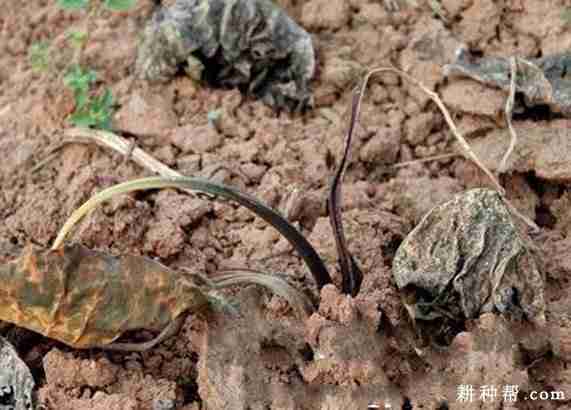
point(352, 352)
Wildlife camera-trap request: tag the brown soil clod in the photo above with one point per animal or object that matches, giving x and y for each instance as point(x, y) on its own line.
point(358, 348)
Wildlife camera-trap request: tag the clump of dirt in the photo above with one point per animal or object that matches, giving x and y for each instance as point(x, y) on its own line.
point(352, 352)
point(88, 382)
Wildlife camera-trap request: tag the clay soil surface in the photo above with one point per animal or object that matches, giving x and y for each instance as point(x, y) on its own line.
point(353, 352)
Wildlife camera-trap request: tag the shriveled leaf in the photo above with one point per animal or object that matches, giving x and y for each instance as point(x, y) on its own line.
point(467, 257)
point(260, 35)
point(98, 296)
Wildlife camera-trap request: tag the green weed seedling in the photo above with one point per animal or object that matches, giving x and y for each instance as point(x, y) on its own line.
point(566, 16)
point(92, 110)
point(38, 55)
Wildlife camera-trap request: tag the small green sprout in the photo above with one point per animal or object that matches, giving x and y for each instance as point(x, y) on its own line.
point(119, 5)
point(73, 4)
point(90, 111)
point(566, 16)
point(77, 38)
point(113, 5)
point(38, 55)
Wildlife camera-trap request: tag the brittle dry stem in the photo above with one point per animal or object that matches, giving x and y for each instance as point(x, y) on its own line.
point(509, 112)
point(513, 141)
point(128, 149)
point(117, 143)
point(467, 151)
point(457, 134)
point(426, 159)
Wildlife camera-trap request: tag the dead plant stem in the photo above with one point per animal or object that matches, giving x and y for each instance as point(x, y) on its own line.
point(427, 159)
point(509, 111)
point(467, 151)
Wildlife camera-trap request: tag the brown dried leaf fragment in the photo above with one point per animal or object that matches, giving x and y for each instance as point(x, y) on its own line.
point(251, 44)
point(86, 298)
point(466, 257)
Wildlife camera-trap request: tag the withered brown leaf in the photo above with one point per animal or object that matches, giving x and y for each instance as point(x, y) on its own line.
point(467, 257)
point(251, 44)
point(86, 298)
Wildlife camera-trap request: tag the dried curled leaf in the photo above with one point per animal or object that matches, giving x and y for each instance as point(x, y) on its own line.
point(251, 44)
point(86, 298)
point(466, 257)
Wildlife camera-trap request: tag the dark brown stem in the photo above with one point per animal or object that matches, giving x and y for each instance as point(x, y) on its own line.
point(350, 272)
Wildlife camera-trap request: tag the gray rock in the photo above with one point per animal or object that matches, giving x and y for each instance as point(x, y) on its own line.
point(164, 404)
point(16, 382)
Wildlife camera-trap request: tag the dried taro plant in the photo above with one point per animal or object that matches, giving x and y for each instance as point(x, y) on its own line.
point(87, 298)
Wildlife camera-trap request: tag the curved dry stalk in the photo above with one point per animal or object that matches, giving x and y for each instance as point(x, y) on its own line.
point(350, 271)
point(200, 185)
point(467, 151)
point(107, 139)
point(509, 112)
point(297, 300)
point(425, 159)
point(447, 117)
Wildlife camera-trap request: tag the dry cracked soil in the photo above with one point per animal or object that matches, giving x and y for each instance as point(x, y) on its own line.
point(353, 353)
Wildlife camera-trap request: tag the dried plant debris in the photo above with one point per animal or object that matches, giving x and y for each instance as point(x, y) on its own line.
point(251, 44)
point(87, 298)
point(466, 257)
point(542, 81)
point(350, 271)
point(16, 382)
